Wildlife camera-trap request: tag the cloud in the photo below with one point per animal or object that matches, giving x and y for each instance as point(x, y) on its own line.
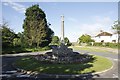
point(103, 20)
point(16, 6)
point(91, 29)
point(6, 4)
point(97, 23)
point(100, 23)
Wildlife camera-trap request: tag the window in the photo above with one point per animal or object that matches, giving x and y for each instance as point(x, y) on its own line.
point(114, 41)
point(102, 40)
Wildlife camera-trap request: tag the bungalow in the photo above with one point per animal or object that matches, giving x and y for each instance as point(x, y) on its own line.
point(106, 37)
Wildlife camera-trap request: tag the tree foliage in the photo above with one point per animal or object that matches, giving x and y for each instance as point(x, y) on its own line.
point(20, 41)
point(36, 29)
point(116, 26)
point(85, 39)
point(55, 40)
point(8, 36)
point(67, 42)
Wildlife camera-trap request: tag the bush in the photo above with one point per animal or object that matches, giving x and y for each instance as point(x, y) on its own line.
point(11, 50)
point(89, 44)
point(97, 44)
point(38, 49)
point(46, 48)
point(111, 45)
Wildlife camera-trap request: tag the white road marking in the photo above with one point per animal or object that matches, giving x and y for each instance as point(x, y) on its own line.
point(115, 59)
point(115, 76)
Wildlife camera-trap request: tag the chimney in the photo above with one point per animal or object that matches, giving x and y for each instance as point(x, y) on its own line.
point(101, 30)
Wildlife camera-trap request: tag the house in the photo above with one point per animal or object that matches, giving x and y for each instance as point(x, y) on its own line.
point(115, 37)
point(106, 37)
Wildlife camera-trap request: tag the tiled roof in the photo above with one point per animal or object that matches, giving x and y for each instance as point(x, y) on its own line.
point(104, 34)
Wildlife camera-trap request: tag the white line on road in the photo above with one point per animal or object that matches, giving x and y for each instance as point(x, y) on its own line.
point(115, 76)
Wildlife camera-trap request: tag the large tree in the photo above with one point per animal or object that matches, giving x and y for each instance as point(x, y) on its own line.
point(36, 29)
point(85, 39)
point(8, 35)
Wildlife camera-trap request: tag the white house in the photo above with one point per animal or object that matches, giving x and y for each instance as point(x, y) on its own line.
point(106, 37)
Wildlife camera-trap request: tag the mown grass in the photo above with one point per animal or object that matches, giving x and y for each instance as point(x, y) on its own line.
point(11, 50)
point(100, 64)
point(91, 49)
point(31, 64)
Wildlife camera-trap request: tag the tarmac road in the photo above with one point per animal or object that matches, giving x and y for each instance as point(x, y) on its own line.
point(113, 73)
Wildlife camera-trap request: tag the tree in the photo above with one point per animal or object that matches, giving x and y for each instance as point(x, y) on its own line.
point(16, 42)
point(20, 40)
point(85, 39)
point(67, 42)
point(8, 35)
point(48, 38)
point(55, 40)
point(116, 26)
point(36, 29)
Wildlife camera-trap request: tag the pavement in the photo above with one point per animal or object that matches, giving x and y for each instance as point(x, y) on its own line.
point(8, 59)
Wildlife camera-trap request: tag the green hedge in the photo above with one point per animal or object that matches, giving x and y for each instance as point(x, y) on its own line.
point(98, 44)
point(112, 45)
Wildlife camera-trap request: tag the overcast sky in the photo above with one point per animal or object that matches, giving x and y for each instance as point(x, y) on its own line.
point(80, 17)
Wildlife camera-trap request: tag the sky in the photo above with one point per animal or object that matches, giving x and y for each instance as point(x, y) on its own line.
point(80, 17)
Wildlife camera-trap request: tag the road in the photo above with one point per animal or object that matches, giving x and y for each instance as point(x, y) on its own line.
point(113, 57)
point(8, 59)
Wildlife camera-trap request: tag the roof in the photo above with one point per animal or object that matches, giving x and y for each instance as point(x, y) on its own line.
point(104, 34)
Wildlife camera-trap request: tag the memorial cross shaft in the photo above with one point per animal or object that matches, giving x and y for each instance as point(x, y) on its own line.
point(62, 29)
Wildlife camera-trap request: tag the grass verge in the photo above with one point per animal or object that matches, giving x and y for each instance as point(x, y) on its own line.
point(31, 64)
point(95, 49)
point(22, 50)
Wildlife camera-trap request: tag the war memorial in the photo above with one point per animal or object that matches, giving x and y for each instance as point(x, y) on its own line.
point(63, 54)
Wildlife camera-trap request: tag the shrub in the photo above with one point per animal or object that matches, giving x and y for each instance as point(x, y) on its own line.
point(46, 48)
point(97, 44)
point(112, 45)
point(89, 44)
point(11, 50)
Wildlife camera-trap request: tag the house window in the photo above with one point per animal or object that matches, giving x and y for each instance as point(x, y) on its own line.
point(114, 41)
point(102, 40)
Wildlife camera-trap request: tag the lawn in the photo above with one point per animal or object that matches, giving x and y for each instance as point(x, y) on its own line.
point(31, 64)
point(11, 50)
point(95, 49)
point(100, 64)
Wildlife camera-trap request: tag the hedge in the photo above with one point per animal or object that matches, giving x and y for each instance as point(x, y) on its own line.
point(111, 45)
